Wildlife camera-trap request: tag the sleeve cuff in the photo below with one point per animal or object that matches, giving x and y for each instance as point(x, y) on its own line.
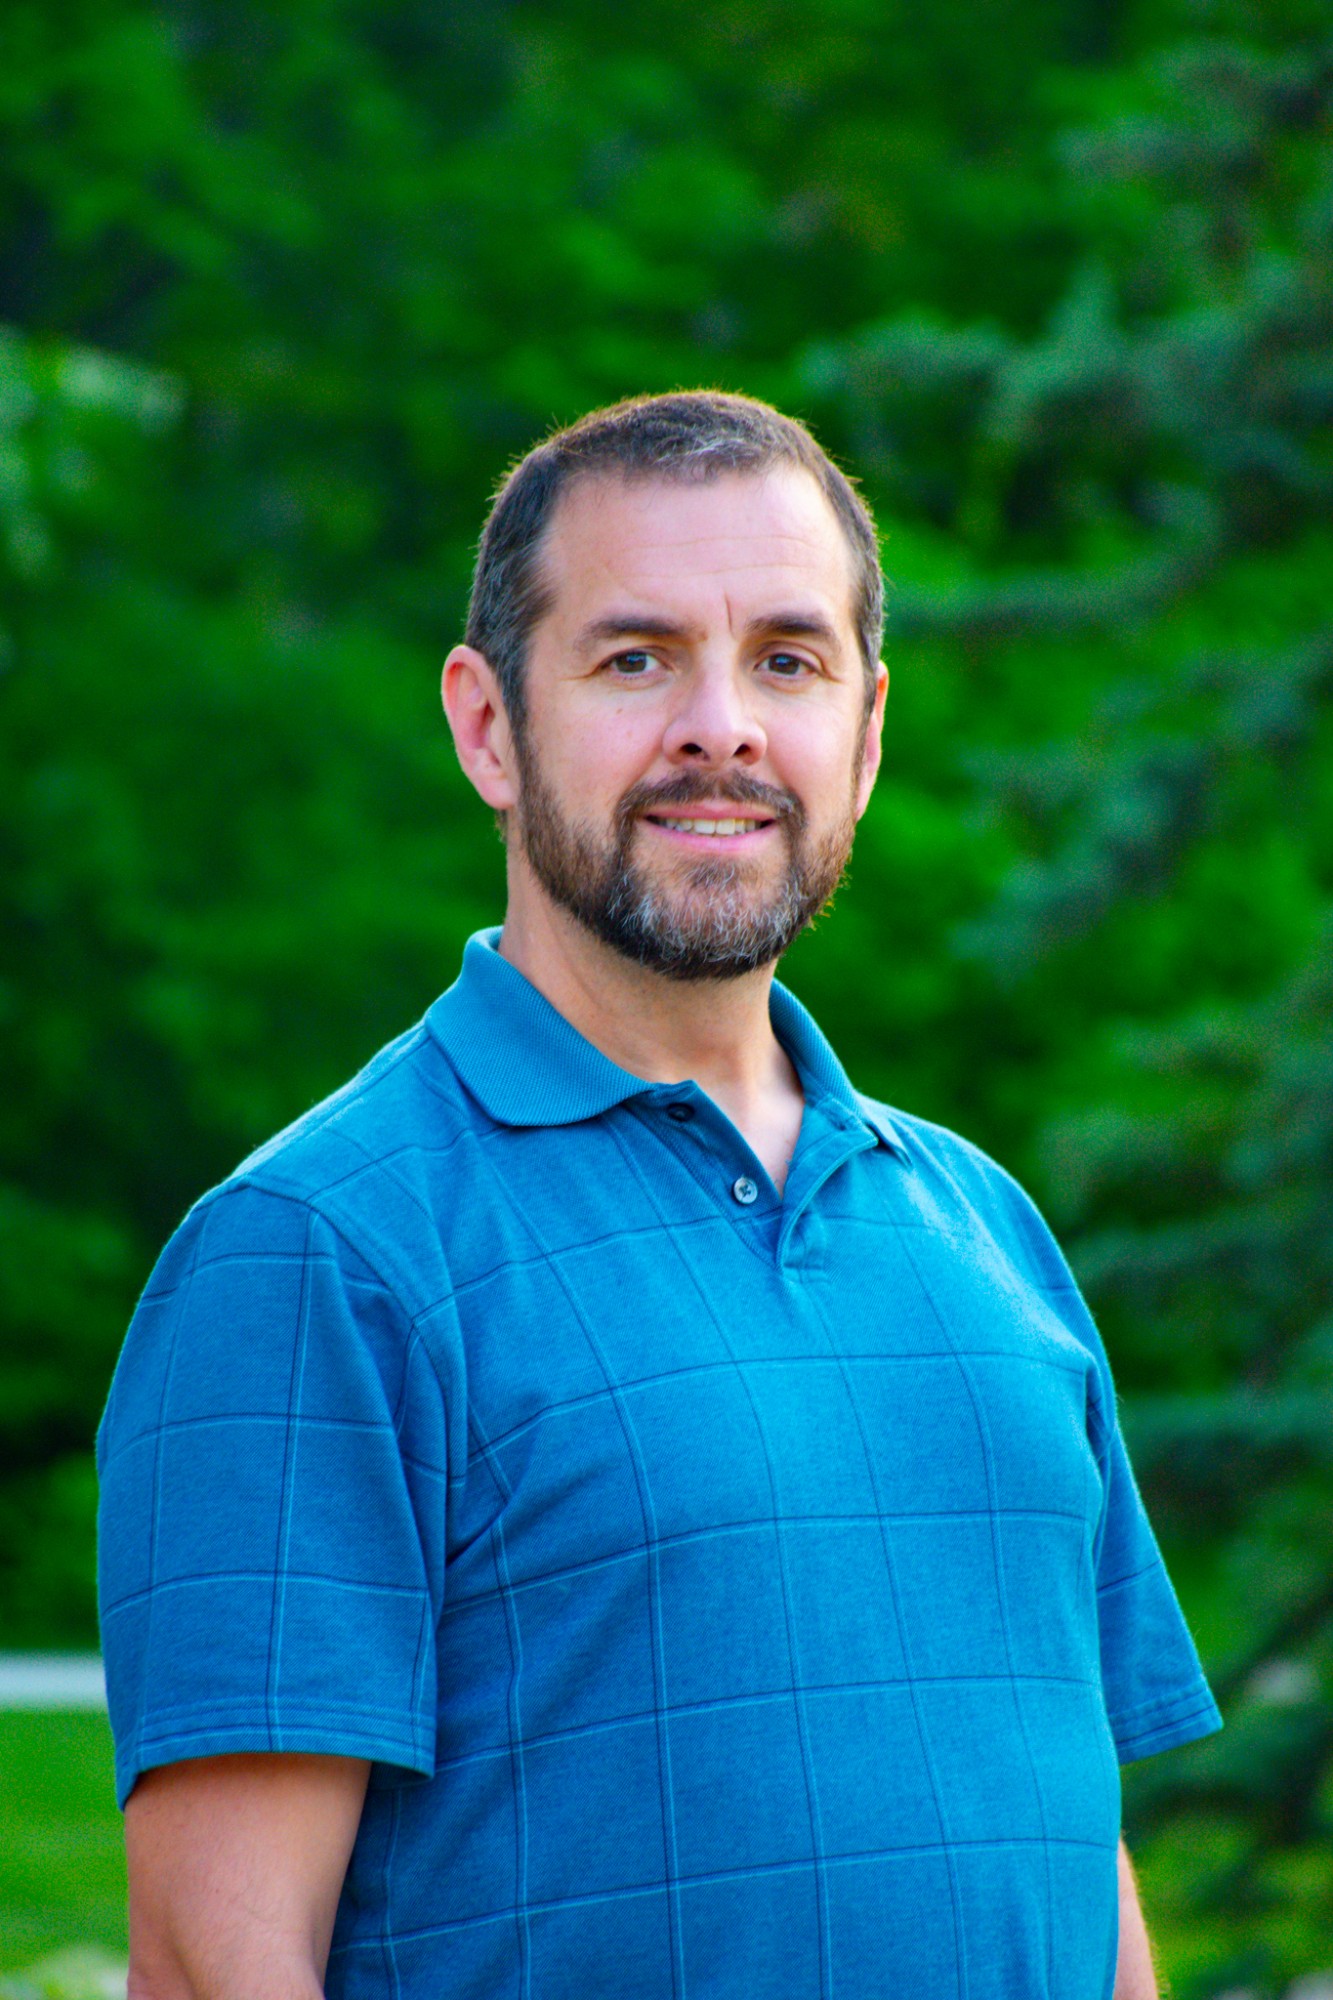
point(321, 1735)
point(1163, 1725)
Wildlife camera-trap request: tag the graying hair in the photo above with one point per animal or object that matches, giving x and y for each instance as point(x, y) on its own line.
point(688, 435)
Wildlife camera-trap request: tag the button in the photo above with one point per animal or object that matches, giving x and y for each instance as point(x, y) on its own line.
point(681, 1113)
point(745, 1191)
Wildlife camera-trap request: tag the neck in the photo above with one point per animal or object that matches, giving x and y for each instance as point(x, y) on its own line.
point(714, 1032)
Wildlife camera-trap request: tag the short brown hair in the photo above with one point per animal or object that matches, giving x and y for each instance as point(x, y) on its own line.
point(689, 434)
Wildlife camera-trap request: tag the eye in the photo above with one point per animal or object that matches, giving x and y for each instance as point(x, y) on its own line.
point(633, 666)
point(787, 666)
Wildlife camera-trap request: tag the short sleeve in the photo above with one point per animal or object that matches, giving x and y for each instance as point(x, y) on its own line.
point(1153, 1685)
point(273, 1467)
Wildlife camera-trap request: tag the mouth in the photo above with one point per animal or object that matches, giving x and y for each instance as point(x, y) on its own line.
point(709, 827)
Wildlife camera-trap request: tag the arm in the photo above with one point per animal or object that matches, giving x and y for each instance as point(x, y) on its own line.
point(1134, 1975)
point(235, 1866)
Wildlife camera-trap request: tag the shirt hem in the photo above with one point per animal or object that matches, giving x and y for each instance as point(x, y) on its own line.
point(175, 1746)
point(1165, 1725)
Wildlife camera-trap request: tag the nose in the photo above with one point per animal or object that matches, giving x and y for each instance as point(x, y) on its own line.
point(714, 723)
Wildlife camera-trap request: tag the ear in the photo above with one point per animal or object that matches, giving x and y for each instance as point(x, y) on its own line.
point(874, 737)
point(482, 736)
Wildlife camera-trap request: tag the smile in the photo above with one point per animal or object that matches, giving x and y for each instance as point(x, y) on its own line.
point(716, 829)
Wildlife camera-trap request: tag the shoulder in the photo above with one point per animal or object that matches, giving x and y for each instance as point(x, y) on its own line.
point(315, 1258)
point(970, 1183)
point(405, 1098)
point(353, 1179)
point(936, 1148)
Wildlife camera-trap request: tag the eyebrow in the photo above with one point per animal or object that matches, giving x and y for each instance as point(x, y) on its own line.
point(793, 624)
point(631, 625)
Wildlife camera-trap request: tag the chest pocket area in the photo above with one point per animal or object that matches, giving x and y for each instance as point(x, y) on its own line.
point(980, 1406)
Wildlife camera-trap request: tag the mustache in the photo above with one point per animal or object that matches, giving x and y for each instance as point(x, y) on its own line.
point(692, 787)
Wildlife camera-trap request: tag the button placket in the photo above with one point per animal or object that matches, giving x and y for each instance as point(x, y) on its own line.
point(707, 1157)
point(842, 1139)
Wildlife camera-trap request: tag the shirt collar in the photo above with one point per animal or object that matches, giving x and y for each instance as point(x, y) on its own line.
point(821, 1074)
point(526, 1065)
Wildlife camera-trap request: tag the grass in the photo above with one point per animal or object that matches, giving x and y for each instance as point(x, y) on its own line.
point(62, 1865)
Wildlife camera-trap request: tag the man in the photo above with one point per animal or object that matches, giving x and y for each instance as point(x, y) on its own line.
point(598, 1507)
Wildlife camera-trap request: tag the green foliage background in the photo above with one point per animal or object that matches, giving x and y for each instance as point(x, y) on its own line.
point(282, 292)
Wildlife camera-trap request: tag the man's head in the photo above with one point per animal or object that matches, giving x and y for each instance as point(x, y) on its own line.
point(690, 435)
point(670, 686)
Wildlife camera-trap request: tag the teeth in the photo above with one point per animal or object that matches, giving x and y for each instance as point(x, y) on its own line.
point(722, 828)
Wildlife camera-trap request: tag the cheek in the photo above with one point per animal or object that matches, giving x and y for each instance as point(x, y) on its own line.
point(606, 752)
point(823, 764)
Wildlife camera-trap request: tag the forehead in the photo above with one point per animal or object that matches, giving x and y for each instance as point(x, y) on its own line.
point(727, 546)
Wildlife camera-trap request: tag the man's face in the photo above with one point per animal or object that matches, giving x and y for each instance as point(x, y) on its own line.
point(696, 749)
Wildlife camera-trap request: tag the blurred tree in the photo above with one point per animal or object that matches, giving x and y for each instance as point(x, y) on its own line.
point(196, 915)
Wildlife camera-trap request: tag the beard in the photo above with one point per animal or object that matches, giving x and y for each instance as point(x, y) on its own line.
point(715, 921)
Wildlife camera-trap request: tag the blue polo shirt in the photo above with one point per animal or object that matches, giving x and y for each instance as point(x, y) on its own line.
point(736, 1595)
